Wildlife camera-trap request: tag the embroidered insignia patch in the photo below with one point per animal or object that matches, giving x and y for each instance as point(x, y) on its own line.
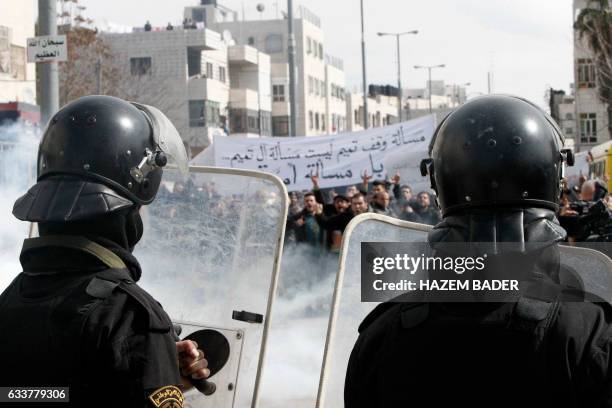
point(167, 397)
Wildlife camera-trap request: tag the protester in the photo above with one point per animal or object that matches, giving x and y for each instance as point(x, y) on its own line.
point(339, 222)
point(304, 224)
point(380, 204)
point(424, 209)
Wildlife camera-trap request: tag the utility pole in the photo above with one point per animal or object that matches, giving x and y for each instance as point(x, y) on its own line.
point(49, 79)
point(399, 70)
point(399, 82)
point(363, 70)
point(292, 83)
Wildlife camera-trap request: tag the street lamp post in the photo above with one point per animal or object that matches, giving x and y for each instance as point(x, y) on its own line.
point(399, 71)
point(363, 71)
point(429, 68)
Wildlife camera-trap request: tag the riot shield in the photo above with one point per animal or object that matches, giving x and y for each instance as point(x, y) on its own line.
point(347, 310)
point(211, 255)
point(586, 269)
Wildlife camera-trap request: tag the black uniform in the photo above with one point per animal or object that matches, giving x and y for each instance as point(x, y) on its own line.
point(495, 163)
point(529, 353)
point(76, 317)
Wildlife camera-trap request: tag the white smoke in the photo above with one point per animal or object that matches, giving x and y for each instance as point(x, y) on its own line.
point(228, 276)
point(18, 148)
point(208, 250)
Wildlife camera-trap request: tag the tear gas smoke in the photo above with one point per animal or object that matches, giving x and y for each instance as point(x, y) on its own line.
point(18, 148)
point(207, 251)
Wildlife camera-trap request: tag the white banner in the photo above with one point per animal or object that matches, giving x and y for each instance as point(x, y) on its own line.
point(339, 160)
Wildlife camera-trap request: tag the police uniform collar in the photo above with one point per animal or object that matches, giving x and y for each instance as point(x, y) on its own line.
point(494, 225)
point(58, 253)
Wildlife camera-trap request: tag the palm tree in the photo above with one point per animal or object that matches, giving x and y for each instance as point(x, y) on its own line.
point(593, 24)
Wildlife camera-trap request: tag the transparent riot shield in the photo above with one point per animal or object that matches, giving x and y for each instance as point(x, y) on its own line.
point(211, 255)
point(586, 269)
point(347, 310)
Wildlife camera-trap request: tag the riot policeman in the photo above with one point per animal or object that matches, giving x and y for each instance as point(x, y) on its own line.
point(495, 163)
point(75, 317)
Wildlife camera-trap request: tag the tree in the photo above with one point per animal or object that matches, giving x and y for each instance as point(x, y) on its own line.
point(91, 67)
point(593, 24)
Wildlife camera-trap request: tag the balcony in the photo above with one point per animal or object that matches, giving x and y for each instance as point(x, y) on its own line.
point(242, 55)
point(244, 99)
point(200, 87)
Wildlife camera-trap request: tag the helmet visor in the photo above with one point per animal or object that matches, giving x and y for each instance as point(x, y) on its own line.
point(167, 138)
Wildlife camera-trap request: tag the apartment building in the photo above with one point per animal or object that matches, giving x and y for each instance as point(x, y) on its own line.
point(320, 78)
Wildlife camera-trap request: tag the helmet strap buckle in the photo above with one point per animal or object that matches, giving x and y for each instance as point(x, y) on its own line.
point(150, 161)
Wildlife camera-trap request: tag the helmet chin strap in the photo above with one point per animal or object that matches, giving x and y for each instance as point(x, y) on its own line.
point(494, 226)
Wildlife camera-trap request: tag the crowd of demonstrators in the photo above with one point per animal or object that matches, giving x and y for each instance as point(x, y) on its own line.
point(321, 223)
point(585, 211)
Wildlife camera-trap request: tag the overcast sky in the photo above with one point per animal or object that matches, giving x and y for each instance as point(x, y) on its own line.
point(526, 44)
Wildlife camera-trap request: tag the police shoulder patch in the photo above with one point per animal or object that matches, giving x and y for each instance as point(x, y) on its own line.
point(167, 397)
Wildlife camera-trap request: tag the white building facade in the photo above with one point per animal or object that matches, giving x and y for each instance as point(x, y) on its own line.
point(184, 72)
point(320, 78)
point(250, 100)
point(382, 111)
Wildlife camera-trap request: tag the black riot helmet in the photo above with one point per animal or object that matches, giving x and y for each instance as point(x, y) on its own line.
point(97, 155)
point(497, 151)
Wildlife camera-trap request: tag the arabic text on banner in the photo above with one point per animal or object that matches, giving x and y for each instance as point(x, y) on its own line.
point(339, 160)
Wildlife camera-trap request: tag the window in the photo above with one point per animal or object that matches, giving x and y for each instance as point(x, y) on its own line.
point(212, 113)
point(265, 122)
point(278, 93)
point(308, 45)
point(314, 48)
point(251, 41)
point(316, 86)
point(274, 43)
point(222, 74)
point(280, 126)
point(586, 73)
point(320, 51)
point(196, 113)
point(236, 119)
point(323, 125)
point(588, 128)
point(310, 84)
point(569, 131)
point(252, 124)
point(209, 70)
point(140, 66)
point(310, 120)
point(194, 61)
point(569, 116)
point(317, 121)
